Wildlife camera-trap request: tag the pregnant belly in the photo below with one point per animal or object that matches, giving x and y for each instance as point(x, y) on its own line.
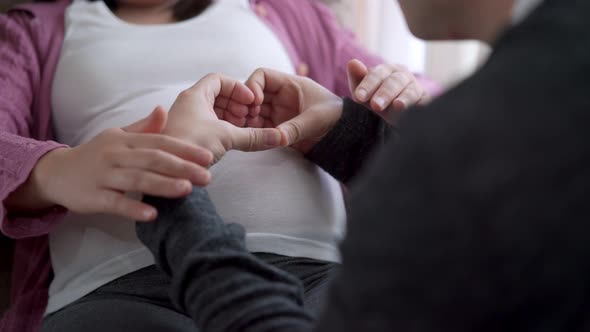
point(279, 192)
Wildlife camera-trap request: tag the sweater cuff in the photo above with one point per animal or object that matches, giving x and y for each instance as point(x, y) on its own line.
point(347, 146)
point(19, 157)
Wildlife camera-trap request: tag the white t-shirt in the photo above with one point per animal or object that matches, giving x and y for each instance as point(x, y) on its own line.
point(112, 73)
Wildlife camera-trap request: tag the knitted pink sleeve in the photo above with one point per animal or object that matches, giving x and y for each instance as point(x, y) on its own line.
point(19, 77)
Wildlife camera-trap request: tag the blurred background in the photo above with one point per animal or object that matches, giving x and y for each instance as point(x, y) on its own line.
point(381, 27)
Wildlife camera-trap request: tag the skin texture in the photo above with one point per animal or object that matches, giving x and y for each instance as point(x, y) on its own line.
point(211, 115)
point(387, 89)
point(457, 19)
point(131, 158)
point(303, 110)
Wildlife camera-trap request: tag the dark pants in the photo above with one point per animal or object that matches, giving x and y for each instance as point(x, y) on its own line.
point(139, 301)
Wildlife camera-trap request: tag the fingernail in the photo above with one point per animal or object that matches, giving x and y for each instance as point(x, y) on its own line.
point(207, 177)
point(380, 102)
point(272, 137)
point(362, 94)
point(183, 186)
point(202, 176)
point(149, 214)
point(284, 138)
point(400, 105)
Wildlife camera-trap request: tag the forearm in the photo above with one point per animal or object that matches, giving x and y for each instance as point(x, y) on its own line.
point(214, 279)
point(347, 147)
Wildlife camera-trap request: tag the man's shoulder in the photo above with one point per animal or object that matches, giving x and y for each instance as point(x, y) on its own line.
point(537, 73)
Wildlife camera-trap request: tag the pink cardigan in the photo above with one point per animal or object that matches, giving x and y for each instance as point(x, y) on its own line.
point(31, 37)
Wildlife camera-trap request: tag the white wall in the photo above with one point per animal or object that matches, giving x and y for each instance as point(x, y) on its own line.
point(450, 62)
point(381, 27)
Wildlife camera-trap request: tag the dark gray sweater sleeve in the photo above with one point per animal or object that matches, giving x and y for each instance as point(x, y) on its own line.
point(348, 146)
point(214, 278)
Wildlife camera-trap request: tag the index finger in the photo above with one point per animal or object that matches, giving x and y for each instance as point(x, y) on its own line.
point(175, 146)
point(356, 71)
point(217, 85)
point(265, 80)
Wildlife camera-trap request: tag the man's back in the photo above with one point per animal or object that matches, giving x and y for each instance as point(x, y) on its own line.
point(481, 218)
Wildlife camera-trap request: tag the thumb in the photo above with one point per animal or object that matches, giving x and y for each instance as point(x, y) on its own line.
point(356, 71)
point(255, 139)
point(311, 124)
point(152, 124)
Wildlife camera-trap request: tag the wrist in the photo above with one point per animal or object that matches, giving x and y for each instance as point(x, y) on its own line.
point(330, 113)
point(335, 109)
point(338, 105)
point(34, 193)
point(45, 173)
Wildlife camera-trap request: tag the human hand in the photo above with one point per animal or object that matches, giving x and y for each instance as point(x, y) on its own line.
point(303, 110)
point(386, 89)
point(211, 114)
point(93, 177)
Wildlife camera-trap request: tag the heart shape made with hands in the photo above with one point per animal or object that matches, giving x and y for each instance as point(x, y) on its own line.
point(301, 109)
point(269, 110)
point(212, 114)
